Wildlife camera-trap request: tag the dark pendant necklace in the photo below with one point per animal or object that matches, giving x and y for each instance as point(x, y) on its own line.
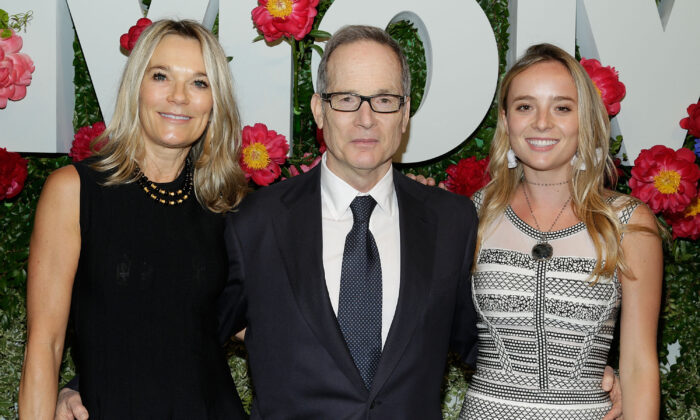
point(164, 196)
point(543, 250)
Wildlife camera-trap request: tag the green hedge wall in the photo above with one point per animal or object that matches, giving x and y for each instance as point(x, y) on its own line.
point(680, 320)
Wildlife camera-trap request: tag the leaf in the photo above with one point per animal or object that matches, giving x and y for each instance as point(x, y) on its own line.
point(6, 33)
point(258, 38)
point(4, 18)
point(317, 33)
point(318, 49)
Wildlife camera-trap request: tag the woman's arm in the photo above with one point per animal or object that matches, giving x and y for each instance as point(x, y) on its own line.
point(53, 261)
point(641, 299)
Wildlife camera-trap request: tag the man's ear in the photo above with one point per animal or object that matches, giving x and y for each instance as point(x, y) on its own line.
point(317, 109)
point(406, 114)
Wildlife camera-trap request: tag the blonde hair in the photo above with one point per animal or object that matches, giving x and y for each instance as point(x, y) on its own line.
point(589, 197)
point(219, 181)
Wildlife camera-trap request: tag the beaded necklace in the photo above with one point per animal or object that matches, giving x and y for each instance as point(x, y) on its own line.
point(164, 196)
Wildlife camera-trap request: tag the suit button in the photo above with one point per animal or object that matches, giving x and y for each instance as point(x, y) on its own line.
point(374, 404)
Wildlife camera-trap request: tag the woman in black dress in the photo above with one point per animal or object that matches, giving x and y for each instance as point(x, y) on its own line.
point(130, 243)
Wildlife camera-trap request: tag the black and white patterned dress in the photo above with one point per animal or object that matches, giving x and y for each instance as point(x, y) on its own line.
point(544, 330)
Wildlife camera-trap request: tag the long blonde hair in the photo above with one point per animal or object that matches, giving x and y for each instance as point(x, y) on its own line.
point(219, 181)
point(589, 198)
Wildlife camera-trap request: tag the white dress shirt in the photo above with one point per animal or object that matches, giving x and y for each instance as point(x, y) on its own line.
point(336, 215)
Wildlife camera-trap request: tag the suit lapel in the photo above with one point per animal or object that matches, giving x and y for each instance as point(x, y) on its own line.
point(300, 239)
point(417, 254)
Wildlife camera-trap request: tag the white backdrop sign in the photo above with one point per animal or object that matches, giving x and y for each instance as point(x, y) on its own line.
point(42, 120)
point(655, 51)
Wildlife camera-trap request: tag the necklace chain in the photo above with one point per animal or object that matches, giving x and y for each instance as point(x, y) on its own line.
point(544, 234)
point(545, 184)
point(164, 196)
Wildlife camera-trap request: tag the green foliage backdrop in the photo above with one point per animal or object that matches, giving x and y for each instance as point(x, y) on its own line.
point(680, 321)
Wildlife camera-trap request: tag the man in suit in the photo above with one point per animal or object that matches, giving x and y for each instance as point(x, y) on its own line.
point(325, 342)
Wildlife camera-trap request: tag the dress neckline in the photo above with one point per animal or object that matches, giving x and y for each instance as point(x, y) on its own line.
point(537, 234)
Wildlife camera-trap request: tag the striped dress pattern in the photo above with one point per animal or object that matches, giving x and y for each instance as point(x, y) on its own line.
point(544, 328)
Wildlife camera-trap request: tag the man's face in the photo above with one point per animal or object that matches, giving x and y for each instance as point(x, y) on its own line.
point(361, 143)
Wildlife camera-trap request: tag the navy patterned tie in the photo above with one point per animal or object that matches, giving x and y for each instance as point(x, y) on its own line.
point(360, 306)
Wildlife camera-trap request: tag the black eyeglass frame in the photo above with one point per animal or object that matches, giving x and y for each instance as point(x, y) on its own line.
point(328, 95)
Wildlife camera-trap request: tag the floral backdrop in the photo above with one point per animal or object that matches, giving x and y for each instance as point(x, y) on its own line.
point(665, 179)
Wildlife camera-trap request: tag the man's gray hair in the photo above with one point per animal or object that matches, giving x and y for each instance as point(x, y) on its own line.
point(354, 33)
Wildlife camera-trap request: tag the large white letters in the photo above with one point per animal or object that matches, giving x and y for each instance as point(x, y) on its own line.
point(536, 21)
point(462, 64)
point(655, 52)
point(262, 74)
point(99, 25)
point(659, 66)
point(41, 121)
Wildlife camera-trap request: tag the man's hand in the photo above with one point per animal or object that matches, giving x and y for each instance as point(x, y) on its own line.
point(70, 406)
point(611, 385)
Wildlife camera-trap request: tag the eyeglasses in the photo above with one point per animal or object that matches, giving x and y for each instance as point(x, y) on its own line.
point(383, 103)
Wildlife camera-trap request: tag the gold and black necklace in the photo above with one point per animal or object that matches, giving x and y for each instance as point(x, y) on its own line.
point(164, 196)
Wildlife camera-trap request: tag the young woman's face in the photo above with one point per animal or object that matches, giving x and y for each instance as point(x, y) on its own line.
point(542, 119)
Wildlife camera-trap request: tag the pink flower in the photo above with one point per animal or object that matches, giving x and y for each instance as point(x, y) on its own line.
point(467, 176)
point(15, 70)
point(665, 179)
point(692, 121)
point(128, 40)
point(290, 18)
point(263, 152)
point(81, 147)
point(606, 80)
point(293, 171)
point(13, 173)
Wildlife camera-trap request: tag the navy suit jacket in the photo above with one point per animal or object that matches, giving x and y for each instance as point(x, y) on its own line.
point(300, 365)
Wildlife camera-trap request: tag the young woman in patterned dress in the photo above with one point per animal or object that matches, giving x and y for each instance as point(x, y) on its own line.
point(559, 254)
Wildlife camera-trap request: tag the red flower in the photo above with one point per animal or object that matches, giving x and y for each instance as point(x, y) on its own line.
point(609, 86)
point(468, 176)
point(692, 121)
point(618, 168)
point(290, 18)
point(128, 40)
point(320, 140)
point(687, 223)
point(293, 171)
point(664, 179)
point(15, 70)
point(13, 173)
point(80, 149)
point(263, 152)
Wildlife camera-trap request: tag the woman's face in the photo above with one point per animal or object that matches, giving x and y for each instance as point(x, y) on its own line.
point(542, 120)
point(175, 99)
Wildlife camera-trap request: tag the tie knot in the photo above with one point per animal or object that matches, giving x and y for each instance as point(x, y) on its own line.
point(362, 207)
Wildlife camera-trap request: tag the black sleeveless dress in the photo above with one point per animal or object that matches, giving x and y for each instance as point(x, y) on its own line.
point(144, 307)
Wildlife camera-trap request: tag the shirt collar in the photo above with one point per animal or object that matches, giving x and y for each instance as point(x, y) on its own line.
point(338, 194)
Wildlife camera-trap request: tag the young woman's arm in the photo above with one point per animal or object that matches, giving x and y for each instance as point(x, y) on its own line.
point(641, 299)
point(53, 261)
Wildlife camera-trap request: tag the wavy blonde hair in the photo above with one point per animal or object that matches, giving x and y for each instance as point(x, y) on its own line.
point(219, 181)
point(589, 197)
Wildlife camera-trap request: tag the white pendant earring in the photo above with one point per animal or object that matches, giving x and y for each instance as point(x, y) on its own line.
point(512, 160)
point(576, 163)
point(581, 165)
